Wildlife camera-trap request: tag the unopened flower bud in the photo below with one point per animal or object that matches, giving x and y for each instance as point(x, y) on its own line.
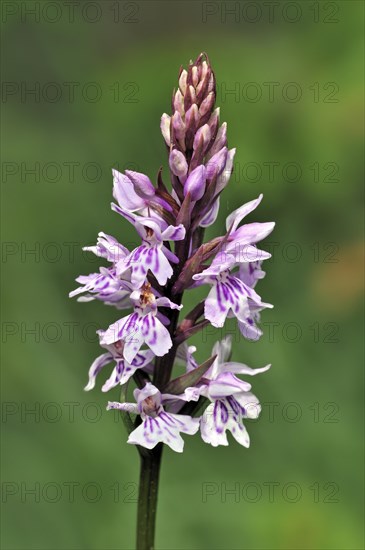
point(195, 184)
point(179, 103)
point(182, 81)
point(216, 164)
point(223, 179)
point(195, 76)
point(220, 141)
point(202, 138)
point(165, 128)
point(178, 164)
point(213, 123)
point(191, 118)
point(207, 104)
point(178, 125)
point(204, 70)
point(190, 97)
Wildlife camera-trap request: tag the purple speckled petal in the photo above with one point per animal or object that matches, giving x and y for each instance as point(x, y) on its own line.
point(124, 370)
point(250, 405)
point(220, 416)
point(155, 335)
point(96, 367)
point(165, 428)
point(225, 296)
point(143, 259)
point(163, 301)
point(108, 247)
point(173, 233)
point(128, 330)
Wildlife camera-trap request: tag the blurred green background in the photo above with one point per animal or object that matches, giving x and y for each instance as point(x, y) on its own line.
point(102, 74)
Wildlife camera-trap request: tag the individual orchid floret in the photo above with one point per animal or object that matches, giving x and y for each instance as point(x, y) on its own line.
point(231, 398)
point(105, 286)
point(152, 255)
point(123, 370)
point(158, 425)
point(108, 247)
point(142, 326)
point(135, 192)
point(229, 295)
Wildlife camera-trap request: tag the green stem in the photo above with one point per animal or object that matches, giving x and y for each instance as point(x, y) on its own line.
point(147, 498)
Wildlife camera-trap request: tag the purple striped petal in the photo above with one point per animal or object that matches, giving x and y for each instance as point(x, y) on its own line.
point(96, 367)
point(164, 428)
point(220, 416)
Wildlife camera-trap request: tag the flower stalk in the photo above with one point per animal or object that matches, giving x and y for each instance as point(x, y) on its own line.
point(150, 463)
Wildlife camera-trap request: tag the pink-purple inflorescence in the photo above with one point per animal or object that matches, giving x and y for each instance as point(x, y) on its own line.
point(172, 257)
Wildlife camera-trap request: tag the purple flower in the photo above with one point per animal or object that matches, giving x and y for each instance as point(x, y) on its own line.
point(229, 296)
point(108, 247)
point(123, 370)
point(231, 293)
point(230, 397)
point(152, 255)
point(158, 425)
point(104, 286)
point(141, 326)
point(134, 192)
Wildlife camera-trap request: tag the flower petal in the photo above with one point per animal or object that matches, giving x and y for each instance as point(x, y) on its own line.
point(126, 407)
point(124, 193)
point(220, 416)
point(174, 233)
point(164, 428)
point(156, 336)
point(211, 215)
point(96, 367)
point(252, 232)
point(250, 405)
point(235, 218)
point(123, 370)
point(240, 368)
point(226, 384)
point(223, 297)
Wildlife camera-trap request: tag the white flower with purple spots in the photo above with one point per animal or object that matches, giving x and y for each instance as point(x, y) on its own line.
point(230, 296)
point(152, 255)
point(158, 425)
point(108, 247)
point(142, 326)
point(123, 370)
point(231, 293)
point(105, 286)
point(230, 397)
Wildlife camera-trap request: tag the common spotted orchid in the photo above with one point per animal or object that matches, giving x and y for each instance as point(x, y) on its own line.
point(172, 257)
